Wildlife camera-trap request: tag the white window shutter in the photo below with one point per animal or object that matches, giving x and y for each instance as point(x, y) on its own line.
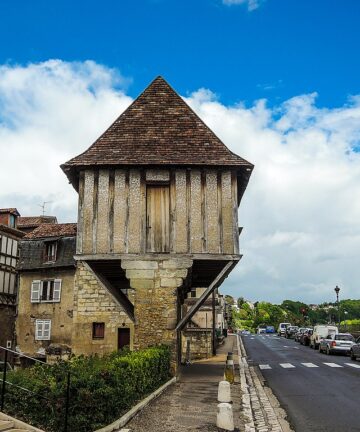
point(35, 291)
point(47, 329)
point(38, 330)
point(57, 290)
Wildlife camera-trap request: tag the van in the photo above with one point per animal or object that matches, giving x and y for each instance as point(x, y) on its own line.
point(321, 331)
point(282, 328)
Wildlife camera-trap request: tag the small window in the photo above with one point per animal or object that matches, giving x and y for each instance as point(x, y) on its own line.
point(46, 291)
point(193, 292)
point(50, 251)
point(98, 330)
point(42, 329)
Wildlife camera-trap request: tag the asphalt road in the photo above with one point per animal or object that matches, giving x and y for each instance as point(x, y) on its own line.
point(316, 396)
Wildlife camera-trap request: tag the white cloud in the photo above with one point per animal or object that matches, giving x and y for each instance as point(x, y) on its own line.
point(50, 112)
point(301, 210)
point(251, 4)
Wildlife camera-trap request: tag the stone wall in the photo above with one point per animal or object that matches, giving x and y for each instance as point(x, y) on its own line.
point(200, 344)
point(93, 303)
point(156, 286)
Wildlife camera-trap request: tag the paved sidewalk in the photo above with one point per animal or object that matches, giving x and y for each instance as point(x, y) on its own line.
point(191, 403)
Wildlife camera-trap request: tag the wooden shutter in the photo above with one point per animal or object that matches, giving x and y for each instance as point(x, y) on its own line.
point(57, 290)
point(38, 330)
point(35, 291)
point(158, 218)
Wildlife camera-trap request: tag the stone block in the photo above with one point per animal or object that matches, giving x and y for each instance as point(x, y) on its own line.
point(169, 282)
point(139, 265)
point(177, 263)
point(142, 283)
point(140, 274)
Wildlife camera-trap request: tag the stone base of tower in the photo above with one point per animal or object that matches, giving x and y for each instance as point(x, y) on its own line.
point(156, 284)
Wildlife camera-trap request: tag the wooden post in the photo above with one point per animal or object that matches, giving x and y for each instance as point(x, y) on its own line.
point(213, 325)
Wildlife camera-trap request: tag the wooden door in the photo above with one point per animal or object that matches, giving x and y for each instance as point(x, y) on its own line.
point(158, 218)
point(123, 338)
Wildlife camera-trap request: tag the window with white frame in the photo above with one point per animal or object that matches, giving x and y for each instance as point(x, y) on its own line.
point(46, 291)
point(42, 329)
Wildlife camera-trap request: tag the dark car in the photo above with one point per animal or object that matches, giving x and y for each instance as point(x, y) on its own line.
point(355, 350)
point(291, 332)
point(270, 329)
point(305, 337)
point(299, 333)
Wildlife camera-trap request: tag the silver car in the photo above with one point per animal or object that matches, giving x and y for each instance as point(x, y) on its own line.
point(338, 343)
point(355, 350)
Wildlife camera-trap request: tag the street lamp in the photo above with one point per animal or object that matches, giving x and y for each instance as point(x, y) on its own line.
point(337, 290)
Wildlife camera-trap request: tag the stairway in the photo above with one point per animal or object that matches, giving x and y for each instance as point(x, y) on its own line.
point(9, 424)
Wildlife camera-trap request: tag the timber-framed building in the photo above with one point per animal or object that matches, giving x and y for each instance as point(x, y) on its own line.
point(157, 216)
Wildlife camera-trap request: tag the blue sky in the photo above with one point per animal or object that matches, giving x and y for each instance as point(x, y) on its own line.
point(282, 48)
point(277, 81)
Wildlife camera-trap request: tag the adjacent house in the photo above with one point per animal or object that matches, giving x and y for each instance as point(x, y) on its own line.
point(46, 286)
point(9, 241)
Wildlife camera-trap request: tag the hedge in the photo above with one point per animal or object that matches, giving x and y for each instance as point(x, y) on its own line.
point(101, 389)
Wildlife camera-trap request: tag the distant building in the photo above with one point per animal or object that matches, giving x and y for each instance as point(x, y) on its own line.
point(202, 334)
point(29, 223)
point(9, 240)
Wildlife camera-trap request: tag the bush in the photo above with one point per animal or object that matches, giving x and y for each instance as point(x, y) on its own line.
point(101, 388)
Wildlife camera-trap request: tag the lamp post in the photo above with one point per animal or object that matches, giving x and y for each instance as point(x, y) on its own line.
point(337, 290)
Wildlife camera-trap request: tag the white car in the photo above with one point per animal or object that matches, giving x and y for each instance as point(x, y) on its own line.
point(322, 331)
point(339, 343)
point(282, 328)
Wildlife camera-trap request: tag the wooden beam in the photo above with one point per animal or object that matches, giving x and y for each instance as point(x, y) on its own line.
point(157, 256)
point(215, 283)
point(117, 294)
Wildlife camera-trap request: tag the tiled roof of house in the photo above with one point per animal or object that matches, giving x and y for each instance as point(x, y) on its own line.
point(12, 231)
point(158, 128)
point(52, 230)
point(34, 221)
point(10, 210)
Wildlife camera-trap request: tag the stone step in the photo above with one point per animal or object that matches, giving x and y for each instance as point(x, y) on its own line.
point(5, 425)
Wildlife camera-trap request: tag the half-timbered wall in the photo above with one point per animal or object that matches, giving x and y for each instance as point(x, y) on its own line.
point(115, 212)
point(8, 261)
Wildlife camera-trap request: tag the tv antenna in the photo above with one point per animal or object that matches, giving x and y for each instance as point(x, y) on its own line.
point(43, 205)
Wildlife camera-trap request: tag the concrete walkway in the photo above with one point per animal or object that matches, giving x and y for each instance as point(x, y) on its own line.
point(191, 403)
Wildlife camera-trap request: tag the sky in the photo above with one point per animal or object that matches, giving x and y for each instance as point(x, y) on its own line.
point(277, 81)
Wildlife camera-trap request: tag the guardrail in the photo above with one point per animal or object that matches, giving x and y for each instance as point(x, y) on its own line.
point(5, 383)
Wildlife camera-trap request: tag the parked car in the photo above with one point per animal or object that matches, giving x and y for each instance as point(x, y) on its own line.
point(299, 333)
point(305, 337)
point(337, 343)
point(282, 328)
point(261, 330)
point(355, 350)
point(270, 329)
point(245, 332)
point(321, 331)
point(291, 331)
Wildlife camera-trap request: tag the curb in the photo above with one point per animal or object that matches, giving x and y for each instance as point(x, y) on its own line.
point(19, 424)
point(257, 406)
point(122, 421)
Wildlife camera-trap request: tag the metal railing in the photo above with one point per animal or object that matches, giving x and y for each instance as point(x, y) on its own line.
point(6, 383)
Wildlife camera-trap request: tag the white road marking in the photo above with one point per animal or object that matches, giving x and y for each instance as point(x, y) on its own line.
point(252, 338)
point(296, 347)
point(265, 366)
point(310, 365)
point(353, 365)
point(334, 365)
point(287, 365)
point(286, 346)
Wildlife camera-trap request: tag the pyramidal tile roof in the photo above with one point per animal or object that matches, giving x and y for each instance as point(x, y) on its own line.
point(158, 128)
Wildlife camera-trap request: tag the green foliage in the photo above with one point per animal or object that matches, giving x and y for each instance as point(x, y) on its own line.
point(229, 299)
point(101, 389)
